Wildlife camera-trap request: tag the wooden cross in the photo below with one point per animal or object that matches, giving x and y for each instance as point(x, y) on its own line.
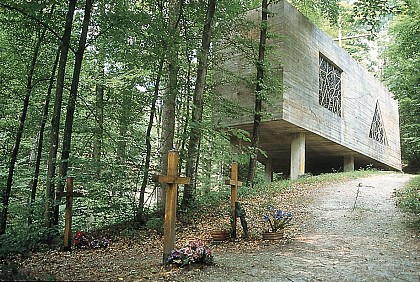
point(69, 194)
point(234, 184)
point(172, 180)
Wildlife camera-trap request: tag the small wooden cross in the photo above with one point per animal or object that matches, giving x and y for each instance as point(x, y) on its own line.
point(172, 180)
point(234, 184)
point(69, 194)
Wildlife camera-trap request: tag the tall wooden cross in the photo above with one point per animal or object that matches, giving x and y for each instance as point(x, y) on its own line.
point(69, 194)
point(172, 180)
point(234, 184)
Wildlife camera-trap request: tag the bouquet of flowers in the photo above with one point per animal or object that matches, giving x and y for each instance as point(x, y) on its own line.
point(192, 252)
point(82, 241)
point(277, 219)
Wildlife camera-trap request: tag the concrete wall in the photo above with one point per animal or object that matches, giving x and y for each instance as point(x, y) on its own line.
point(360, 90)
point(297, 51)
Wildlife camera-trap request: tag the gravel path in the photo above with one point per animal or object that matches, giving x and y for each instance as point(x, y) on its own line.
point(353, 232)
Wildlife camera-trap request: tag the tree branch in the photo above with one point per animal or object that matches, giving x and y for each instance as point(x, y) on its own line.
point(8, 7)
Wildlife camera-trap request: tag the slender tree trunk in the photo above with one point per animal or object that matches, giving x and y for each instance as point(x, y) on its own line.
point(68, 126)
point(55, 124)
point(99, 103)
point(197, 113)
point(99, 118)
point(186, 110)
point(140, 209)
point(208, 166)
point(168, 124)
point(34, 183)
point(169, 100)
point(5, 196)
point(124, 120)
point(258, 99)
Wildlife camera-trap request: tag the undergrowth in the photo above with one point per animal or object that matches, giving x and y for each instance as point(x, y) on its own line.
point(216, 198)
point(409, 196)
point(22, 243)
point(408, 199)
point(26, 240)
point(34, 238)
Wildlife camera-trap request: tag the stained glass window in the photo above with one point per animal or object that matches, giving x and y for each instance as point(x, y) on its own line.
point(377, 130)
point(329, 85)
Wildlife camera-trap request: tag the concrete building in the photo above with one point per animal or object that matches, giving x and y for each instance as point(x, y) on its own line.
point(328, 112)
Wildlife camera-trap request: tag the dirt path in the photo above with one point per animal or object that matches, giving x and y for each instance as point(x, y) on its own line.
point(342, 240)
point(334, 238)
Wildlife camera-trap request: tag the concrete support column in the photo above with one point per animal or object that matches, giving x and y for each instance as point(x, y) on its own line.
point(348, 163)
point(297, 163)
point(268, 172)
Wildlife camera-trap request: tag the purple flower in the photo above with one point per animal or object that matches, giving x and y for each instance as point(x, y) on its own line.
point(277, 219)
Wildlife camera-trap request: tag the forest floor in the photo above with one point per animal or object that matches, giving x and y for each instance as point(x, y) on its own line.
point(343, 231)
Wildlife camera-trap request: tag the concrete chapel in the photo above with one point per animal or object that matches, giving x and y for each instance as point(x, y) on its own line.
point(331, 113)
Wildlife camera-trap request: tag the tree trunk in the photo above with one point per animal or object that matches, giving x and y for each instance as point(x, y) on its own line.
point(99, 101)
point(99, 122)
point(5, 196)
point(208, 166)
point(197, 112)
point(140, 208)
point(169, 100)
point(68, 126)
point(258, 100)
point(55, 124)
point(186, 111)
point(124, 120)
point(168, 124)
point(34, 183)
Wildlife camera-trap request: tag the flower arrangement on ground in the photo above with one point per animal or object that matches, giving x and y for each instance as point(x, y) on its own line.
point(192, 252)
point(277, 219)
point(81, 240)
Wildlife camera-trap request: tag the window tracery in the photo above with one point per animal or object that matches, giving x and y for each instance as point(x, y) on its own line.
point(329, 85)
point(377, 129)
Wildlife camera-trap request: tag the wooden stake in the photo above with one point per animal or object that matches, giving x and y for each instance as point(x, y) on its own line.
point(234, 184)
point(69, 194)
point(172, 180)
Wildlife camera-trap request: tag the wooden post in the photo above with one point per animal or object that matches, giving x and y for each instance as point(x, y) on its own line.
point(172, 180)
point(240, 212)
point(69, 194)
point(234, 184)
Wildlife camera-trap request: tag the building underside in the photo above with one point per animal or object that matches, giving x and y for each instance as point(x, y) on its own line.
point(326, 112)
point(320, 154)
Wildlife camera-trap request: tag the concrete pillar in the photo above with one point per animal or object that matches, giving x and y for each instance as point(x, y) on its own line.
point(297, 163)
point(268, 172)
point(348, 163)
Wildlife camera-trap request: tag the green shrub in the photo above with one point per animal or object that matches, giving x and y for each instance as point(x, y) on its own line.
point(408, 198)
point(155, 223)
point(24, 240)
point(9, 271)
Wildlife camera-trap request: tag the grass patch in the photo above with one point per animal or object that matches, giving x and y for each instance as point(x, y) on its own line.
point(256, 199)
point(408, 198)
point(215, 198)
point(309, 180)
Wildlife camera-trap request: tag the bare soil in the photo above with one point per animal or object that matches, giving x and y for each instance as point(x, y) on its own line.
point(353, 232)
point(348, 231)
